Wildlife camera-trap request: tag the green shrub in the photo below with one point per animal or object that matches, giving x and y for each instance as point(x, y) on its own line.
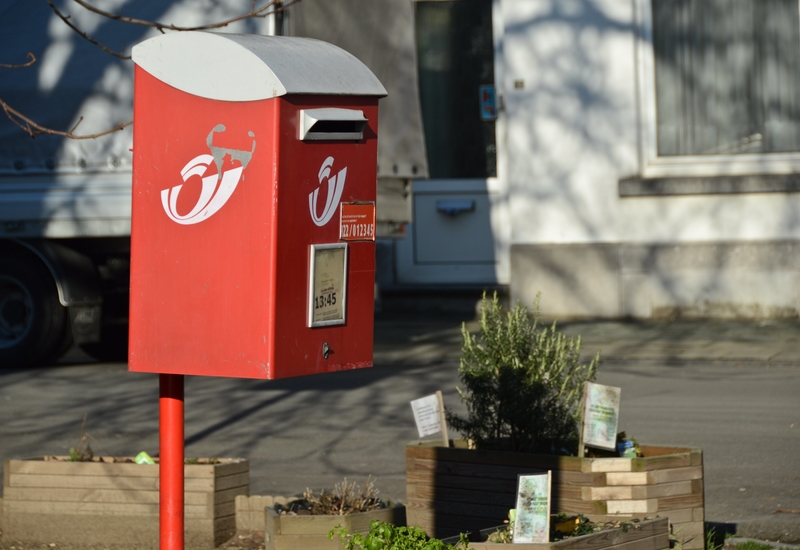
point(522, 384)
point(387, 536)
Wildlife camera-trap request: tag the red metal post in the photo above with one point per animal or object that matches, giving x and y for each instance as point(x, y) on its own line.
point(171, 461)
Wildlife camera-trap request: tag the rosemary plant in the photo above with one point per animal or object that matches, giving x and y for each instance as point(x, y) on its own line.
point(522, 383)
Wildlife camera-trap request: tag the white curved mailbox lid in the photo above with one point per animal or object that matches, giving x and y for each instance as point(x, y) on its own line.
point(246, 67)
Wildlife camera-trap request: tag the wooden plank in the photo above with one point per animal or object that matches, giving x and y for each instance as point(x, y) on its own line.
point(665, 490)
point(107, 482)
point(676, 503)
point(230, 495)
point(579, 506)
point(199, 484)
point(645, 506)
point(445, 525)
point(498, 472)
point(681, 516)
point(127, 469)
point(456, 482)
point(229, 467)
point(471, 470)
point(610, 464)
point(560, 492)
point(467, 509)
point(41, 467)
point(305, 542)
point(273, 523)
point(611, 538)
point(220, 510)
point(652, 535)
point(678, 474)
point(359, 523)
point(496, 458)
point(477, 490)
point(624, 492)
point(667, 462)
point(88, 508)
point(580, 479)
point(7, 473)
point(224, 528)
point(697, 543)
point(658, 542)
point(279, 526)
point(631, 478)
point(698, 514)
point(230, 482)
point(447, 494)
point(661, 450)
point(599, 518)
point(85, 482)
point(693, 528)
point(518, 546)
point(94, 495)
point(94, 508)
point(310, 525)
point(481, 493)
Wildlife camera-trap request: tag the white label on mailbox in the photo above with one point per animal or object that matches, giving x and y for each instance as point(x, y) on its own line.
point(217, 188)
point(335, 188)
point(327, 285)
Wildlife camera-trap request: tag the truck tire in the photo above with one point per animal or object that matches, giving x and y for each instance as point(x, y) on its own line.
point(34, 326)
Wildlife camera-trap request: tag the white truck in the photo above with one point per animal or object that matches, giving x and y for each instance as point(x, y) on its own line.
point(65, 203)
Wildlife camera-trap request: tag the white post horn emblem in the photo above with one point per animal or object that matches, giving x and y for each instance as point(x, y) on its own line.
point(335, 188)
point(216, 189)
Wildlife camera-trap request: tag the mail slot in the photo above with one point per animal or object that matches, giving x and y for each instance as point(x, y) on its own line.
point(254, 164)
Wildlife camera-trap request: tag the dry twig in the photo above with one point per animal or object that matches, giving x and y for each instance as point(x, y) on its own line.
point(66, 19)
point(346, 498)
point(31, 61)
point(34, 129)
point(272, 6)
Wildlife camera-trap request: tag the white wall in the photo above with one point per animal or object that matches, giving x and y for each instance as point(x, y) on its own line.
point(571, 85)
point(573, 132)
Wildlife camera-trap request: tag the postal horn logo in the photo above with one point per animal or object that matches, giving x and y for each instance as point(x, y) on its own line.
point(216, 188)
point(334, 195)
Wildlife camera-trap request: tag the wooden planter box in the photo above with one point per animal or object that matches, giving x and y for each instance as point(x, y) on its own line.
point(455, 489)
point(646, 535)
point(285, 532)
point(116, 504)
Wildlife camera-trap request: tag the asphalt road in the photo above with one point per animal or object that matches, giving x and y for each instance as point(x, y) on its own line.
point(314, 431)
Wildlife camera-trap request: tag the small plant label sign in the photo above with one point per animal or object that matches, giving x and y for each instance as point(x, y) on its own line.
point(429, 415)
point(532, 518)
point(600, 415)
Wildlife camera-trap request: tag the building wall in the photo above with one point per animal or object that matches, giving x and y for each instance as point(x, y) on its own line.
point(569, 82)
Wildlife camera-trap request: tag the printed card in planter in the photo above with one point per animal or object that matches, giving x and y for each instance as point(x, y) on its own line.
point(429, 416)
point(600, 415)
point(532, 520)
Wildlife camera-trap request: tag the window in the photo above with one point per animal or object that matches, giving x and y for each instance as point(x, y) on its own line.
point(455, 53)
point(719, 84)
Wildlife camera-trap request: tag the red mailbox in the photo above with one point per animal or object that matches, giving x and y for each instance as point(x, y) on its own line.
point(253, 227)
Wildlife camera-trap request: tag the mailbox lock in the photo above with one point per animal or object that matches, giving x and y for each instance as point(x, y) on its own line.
point(326, 350)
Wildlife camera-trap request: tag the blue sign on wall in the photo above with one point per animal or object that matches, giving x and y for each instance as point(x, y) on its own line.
point(488, 100)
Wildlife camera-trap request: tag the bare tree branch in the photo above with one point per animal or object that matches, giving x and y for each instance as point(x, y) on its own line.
point(272, 6)
point(34, 129)
point(31, 61)
point(66, 19)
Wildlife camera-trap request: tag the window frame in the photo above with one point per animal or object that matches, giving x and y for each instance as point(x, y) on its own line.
point(654, 166)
